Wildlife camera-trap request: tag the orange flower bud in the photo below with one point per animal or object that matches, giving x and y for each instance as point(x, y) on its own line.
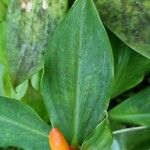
point(57, 140)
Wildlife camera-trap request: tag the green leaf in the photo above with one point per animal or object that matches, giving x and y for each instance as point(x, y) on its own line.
point(29, 24)
point(78, 73)
point(34, 99)
point(3, 59)
point(136, 138)
point(101, 138)
point(129, 20)
point(1, 79)
point(3, 11)
point(135, 109)
point(6, 88)
point(20, 126)
point(130, 67)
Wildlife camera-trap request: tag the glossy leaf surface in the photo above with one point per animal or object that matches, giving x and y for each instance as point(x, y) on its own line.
point(78, 73)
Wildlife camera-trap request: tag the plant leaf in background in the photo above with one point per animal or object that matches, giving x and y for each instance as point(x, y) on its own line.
point(20, 126)
point(34, 99)
point(29, 24)
point(36, 80)
point(3, 11)
point(130, 67)
point(136, 138)
point(1, 79)
point(135, 109)
point(6, 88)
point(78, 73)
point(129, 20)
point(2, 44)
point(101, 138)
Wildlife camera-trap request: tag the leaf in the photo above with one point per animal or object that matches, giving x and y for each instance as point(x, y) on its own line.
point(35, 100)
point(36, 80)
point(129, 20)
point(78, 73)
point(20, 126)
point(3, 59)
point(130, 67)
point(136, 138)
point(1, 80)
point(101, 138)
point(135, 109)
point(6, 88)
point(3, 11)
point(31, 23)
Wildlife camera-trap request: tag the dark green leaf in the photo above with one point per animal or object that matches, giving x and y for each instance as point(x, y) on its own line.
point(129, 20)
point(132, 139)
point(130, 66)
point(101, 138)
point(135, 109)
point(78, 73)
point(3, 11)
point(34, 99)
point(20, 126)
point(29, 24)
point(2, 44)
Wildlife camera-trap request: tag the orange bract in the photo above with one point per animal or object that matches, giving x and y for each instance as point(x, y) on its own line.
point(57, 140)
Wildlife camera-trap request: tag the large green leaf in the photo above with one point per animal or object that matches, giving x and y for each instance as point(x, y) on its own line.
point(78, 73)
point(136, 138)
point(29, 24)
point(135, 109)
point(101, 138)
point(129, 20)
point(20, 126)
point(130, 66)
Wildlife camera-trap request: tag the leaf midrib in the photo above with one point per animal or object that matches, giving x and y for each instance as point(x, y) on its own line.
point(76, 114)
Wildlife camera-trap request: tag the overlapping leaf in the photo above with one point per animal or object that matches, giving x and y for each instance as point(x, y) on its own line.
point(135, 109)
point(132, 139)
point(129, 20)
point(29, 24)
point(34, 99)
point(130, 67)
point(101, 138)
point(78, 73)
point(20, 126)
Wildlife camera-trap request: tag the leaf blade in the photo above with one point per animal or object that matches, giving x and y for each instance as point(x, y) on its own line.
point(134, 110)
point(129, 20)
point(101, 138)
point(31, 28)
point(21, 126)
point(125, 139)
point(74, 76)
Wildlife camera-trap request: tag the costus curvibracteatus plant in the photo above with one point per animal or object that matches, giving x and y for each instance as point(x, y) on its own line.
point(74, 74)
